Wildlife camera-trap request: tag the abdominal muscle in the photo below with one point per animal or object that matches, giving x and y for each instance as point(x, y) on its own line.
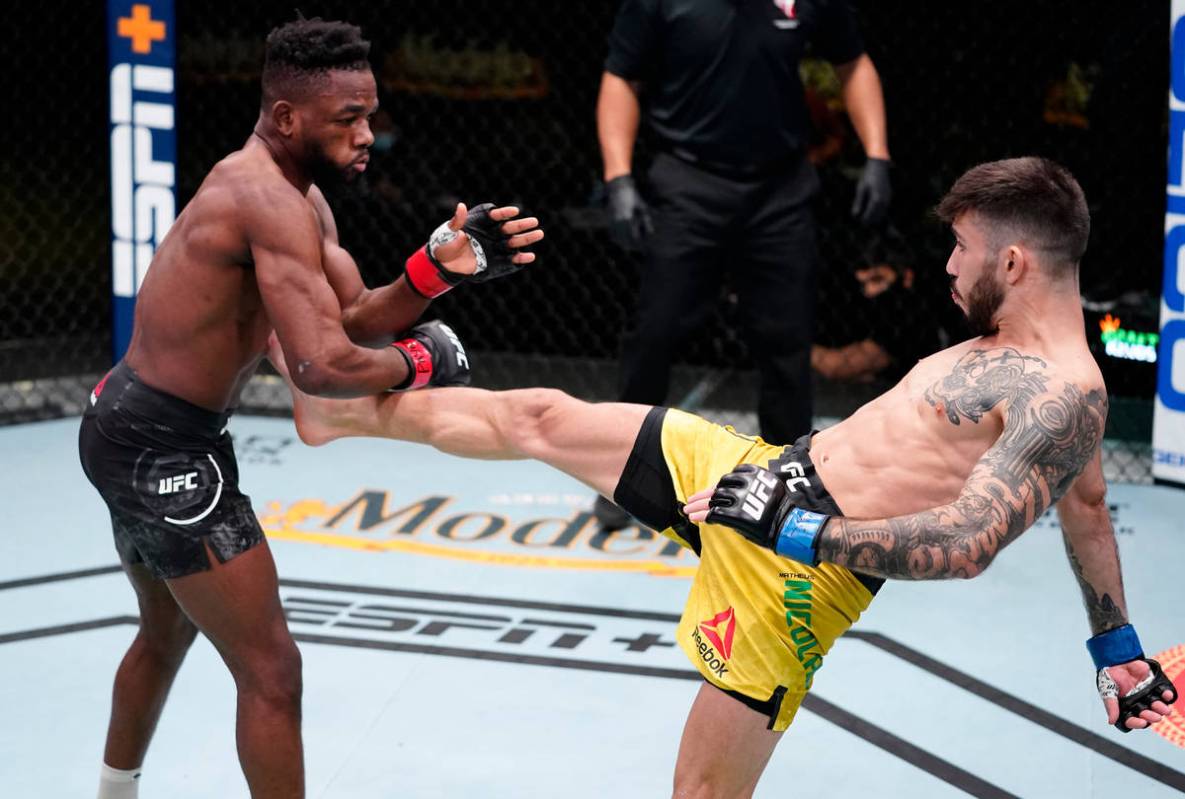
point(898, 454)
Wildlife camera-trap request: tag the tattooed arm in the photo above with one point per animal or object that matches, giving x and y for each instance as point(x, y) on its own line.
point(1090, 545)
point(1052, 431)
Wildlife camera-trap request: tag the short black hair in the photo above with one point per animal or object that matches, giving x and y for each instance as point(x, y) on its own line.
point(299, 52)
point(1033, 197)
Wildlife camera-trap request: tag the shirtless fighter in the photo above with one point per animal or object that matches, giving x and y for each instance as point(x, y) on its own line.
point(928, 481)
point(256, 250)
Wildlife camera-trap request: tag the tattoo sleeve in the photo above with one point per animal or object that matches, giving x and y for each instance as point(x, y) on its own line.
point(1049, 436)
point(1103, 612)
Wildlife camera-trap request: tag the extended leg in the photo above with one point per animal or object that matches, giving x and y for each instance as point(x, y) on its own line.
point(589, 441)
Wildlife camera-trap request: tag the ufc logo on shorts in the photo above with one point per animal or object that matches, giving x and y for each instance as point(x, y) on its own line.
point(797, 475)
point(462, 359)
point(178, 482)
point(758, 496)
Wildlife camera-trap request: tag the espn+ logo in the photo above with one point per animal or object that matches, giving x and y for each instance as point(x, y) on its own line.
point(142, 201)
point(143, 144)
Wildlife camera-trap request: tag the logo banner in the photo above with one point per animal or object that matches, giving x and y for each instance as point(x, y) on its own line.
point(1168, 421)
point(143, 144)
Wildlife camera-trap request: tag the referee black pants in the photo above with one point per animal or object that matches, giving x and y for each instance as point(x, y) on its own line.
point(761, 231)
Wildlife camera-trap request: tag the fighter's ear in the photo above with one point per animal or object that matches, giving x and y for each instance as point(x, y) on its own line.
point(283, 115)
point(1017, 260)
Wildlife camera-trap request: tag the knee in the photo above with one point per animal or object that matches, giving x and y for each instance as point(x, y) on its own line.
point(272, 676)
point(535, 413)
point(707, 781)
point(166, 636)
point(698, 786)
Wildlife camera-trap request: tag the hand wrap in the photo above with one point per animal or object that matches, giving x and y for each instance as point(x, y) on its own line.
point(435, 357)
point(429, 277)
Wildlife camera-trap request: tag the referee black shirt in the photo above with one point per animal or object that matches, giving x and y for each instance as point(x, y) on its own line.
point(721, 76)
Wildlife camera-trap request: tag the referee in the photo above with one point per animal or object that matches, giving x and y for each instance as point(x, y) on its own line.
point(730, 186)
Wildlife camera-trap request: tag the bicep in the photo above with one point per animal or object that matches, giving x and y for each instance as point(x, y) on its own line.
point(301, 306)
point(342, 273)
point(339, 266)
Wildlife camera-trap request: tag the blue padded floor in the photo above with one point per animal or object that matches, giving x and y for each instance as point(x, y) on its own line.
point(466, 633)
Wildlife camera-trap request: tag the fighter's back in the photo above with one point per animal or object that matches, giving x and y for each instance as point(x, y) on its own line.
point(914, 447)
point(201, 326)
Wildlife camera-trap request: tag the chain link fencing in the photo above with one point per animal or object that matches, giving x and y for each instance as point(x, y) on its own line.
point(491, 100)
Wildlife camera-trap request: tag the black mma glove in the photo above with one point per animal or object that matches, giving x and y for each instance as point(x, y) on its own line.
point(1114, 648)
point(629, 215)
point(754, 502)
point(873, 192)
point(435, 357)
point(429, 277)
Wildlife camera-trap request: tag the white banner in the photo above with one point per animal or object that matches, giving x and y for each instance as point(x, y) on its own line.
point(1168, 421)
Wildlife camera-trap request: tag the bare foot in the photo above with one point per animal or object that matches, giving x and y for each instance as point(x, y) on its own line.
point(319, 420)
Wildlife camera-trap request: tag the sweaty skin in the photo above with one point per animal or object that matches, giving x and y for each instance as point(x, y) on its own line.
point(915, 446)
point(256, 248)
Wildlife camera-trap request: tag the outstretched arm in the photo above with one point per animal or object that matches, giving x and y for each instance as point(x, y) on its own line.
point(1094, 558)
point(1051, 432)
point(373, 316)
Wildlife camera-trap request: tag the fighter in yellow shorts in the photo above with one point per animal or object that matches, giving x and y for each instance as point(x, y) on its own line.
point(934, 478)
point(755, 625)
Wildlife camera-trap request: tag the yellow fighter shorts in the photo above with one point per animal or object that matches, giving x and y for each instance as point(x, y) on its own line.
point(757, 625)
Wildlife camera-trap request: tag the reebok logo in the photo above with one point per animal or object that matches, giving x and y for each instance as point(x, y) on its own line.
point(717, 649)
point(787, 8)
point(178, 482)
point(758, 496)
point(99, 389)
point(719, 630)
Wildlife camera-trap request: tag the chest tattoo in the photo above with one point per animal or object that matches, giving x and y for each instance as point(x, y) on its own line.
point(982, 379)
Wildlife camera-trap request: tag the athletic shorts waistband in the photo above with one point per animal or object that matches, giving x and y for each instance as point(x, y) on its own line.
point(123, 390)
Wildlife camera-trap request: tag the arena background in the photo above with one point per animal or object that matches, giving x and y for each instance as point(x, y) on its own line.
point(494, 100)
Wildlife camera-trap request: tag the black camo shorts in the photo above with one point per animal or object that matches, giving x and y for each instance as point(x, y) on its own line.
point(167, 471)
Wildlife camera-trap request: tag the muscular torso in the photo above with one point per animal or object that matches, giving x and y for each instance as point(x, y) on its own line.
point(200, 326)
point(914, 447)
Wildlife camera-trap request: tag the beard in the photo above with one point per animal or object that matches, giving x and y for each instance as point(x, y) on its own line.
point(327, 175)
point(984, 299)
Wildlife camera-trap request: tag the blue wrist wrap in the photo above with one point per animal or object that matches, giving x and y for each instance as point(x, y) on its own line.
point(1114, 647)
point(796, 539)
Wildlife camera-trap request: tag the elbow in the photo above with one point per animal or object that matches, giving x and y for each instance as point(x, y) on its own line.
point(971, 556)
point(970, 572)
point(311, 378)
point(321, 377)
point(968, 569)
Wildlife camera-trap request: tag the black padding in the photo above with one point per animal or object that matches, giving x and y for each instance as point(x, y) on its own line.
point(1132, 706)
